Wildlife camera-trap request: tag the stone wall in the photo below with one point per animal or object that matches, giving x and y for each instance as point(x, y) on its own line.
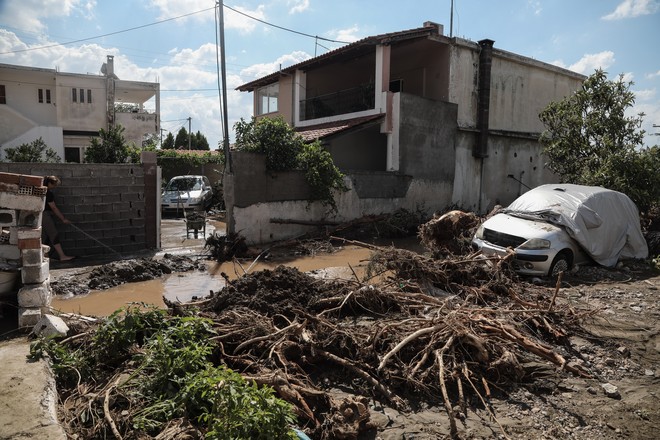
point(113, 203)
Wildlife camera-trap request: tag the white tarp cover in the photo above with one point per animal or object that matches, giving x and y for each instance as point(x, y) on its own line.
point(604, 222)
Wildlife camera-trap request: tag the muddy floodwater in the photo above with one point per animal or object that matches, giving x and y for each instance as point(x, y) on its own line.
point(189, 286)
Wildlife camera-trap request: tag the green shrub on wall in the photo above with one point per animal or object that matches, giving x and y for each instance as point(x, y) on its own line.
point(174, 163)
point(287, 150)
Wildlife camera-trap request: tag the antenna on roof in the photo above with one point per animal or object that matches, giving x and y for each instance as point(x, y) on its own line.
point(451, 20)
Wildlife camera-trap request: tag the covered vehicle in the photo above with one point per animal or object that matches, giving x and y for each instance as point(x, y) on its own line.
point(189, 192)
point(552, 227)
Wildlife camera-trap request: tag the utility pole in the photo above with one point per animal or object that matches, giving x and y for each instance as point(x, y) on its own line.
point(223, 69)
point(189, 131)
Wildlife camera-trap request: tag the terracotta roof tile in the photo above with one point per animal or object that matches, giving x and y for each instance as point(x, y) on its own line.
point(321, 131)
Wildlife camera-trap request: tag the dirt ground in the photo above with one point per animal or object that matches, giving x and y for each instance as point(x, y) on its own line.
point(618, 346)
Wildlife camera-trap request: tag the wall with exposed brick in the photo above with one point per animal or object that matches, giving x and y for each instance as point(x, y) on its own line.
point(114, 203)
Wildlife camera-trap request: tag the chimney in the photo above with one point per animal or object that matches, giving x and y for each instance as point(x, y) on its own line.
point(483, 97)
point(438, 27)
point(110, 66)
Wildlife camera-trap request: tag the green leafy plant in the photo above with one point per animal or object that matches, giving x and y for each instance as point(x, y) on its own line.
point(321, 173)
point(178, 349)
point(175, 163)
point(163, 366)
point(286, 150)
point(109, 147)
point(35, 151)
point(590, 140)
point(229, 408)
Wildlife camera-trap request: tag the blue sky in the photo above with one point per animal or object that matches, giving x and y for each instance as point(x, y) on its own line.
point(620, 36)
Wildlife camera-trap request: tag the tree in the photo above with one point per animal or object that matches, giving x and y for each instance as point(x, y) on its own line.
point(589, 140)
point(109, 147)
point(35, 151)
point(286, 150)
point(181, 140)
point(168, 143)
point(200, 142)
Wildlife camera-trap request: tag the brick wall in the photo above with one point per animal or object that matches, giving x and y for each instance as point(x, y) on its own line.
point(114, 203)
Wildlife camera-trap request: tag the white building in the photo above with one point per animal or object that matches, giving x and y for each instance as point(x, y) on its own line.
point(67, 109)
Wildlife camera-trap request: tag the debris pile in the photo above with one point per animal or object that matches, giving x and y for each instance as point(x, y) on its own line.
point(449, 233)
point(417, 332)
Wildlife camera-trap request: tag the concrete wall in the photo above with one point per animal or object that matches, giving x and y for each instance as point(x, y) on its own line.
point(114, 203)
point(480, 190)
point(427, 130)
point(520, 89)
point(264, 207)
point(81, 116)
point(365, 149)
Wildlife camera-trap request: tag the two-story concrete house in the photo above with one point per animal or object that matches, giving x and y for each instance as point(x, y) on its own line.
point(416, 118)
point(67, 109)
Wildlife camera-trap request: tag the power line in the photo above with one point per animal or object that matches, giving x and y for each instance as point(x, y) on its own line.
point(30, 49)
point(283, 28)
point(108, 34)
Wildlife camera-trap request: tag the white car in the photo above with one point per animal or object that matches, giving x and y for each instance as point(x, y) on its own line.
point(553, 227)
point(187, 193)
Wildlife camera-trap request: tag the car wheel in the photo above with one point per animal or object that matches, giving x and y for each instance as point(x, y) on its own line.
point(561, 263)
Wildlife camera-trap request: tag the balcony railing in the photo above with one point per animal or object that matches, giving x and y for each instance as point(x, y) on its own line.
point(338, 103)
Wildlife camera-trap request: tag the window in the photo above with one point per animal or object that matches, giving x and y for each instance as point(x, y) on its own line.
point(41, 96)
point(82, 95)
point(74, 94)
point(72, 154)
point(89, 96)
point(267, 99)
point(3, 96)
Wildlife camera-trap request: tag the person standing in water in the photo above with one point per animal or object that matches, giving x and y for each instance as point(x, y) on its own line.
point(48, 228)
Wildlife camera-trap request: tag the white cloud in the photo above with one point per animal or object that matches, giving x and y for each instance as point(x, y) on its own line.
point(633, 8)
point(651, 112)
point(535, 5)
point(259, 70)
point(242, 23)
point(644, 95)
point(628, 77)
point(653, 75)
point(27, 14)
point(177, 8)
point(298, 6)
point(347, 35)
point(590, 62)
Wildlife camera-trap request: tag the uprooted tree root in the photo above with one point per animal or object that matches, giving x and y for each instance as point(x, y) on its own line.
point(449, 332)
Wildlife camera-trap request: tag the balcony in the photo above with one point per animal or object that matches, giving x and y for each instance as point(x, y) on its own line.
point(352, 100)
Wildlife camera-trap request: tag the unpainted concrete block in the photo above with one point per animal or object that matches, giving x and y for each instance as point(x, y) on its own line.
point(7, 218)
point(27, 233)
point(33, 257)
point(30, 219)
point(35, 274)
point(11, 200)
point(28, 317)
point(35, 295)
point(50, 326)
point(9, 252)
point(13, 235)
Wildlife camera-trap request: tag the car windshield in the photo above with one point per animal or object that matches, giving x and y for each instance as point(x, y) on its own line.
point(184, 184)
